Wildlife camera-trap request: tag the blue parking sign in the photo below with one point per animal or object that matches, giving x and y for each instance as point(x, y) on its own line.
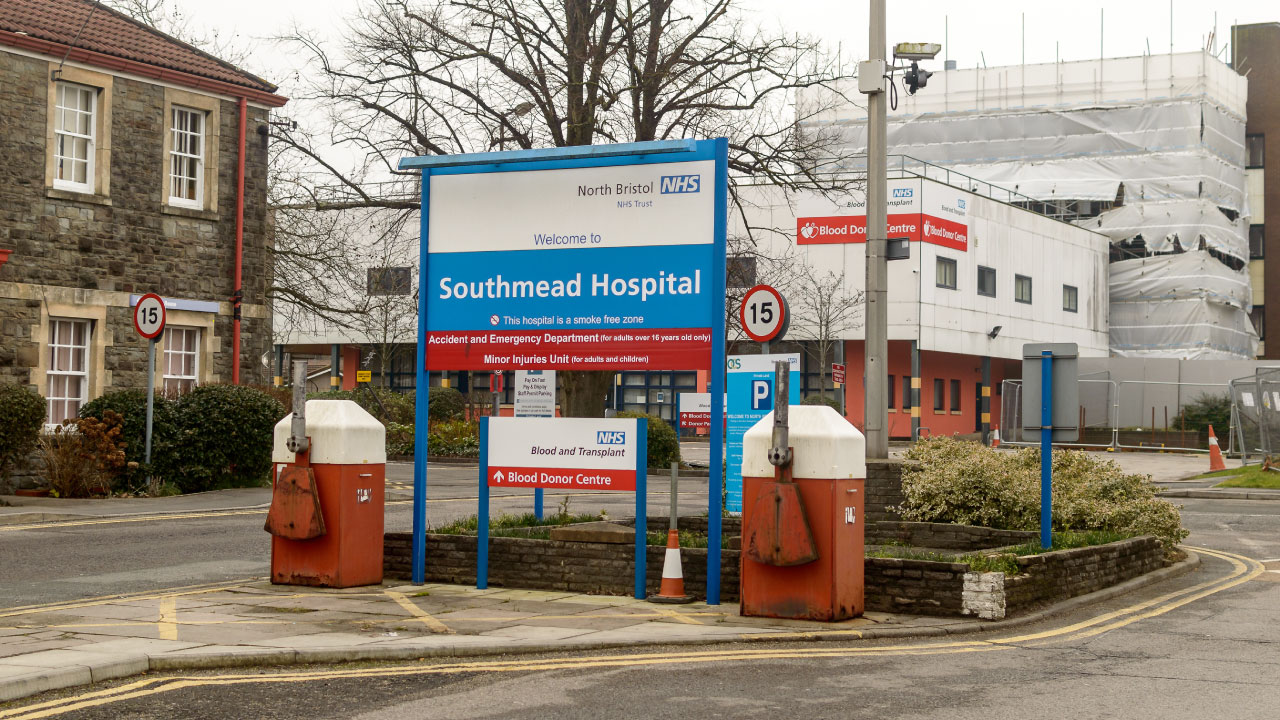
point(751, 396)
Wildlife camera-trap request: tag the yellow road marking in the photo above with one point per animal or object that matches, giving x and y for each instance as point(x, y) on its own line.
point(678, 616)
point(419, 613)
point(1244, 569)
point(168, 618)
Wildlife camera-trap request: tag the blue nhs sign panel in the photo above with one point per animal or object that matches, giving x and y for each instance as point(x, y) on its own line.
point(751, 396)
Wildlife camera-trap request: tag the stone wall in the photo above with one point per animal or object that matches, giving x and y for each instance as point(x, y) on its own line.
point(884, 489)
point(95, 250)
point(897, 585)
point(944, 536)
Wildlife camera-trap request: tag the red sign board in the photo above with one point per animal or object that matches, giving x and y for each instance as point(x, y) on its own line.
point(837, 373)
point(695, 420)
point(563, 478)
point(495, 382)
point(568, 349)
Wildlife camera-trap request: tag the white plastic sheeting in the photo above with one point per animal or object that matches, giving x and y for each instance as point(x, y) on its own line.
point(1161, 135)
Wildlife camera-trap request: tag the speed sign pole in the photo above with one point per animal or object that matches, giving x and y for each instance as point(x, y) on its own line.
point(148, 319)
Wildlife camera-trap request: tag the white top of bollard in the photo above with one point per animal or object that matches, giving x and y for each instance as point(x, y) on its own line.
point(341, 433)
point(826, 445)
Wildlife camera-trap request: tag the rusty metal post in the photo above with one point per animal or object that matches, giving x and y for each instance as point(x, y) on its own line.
point(298, 427)
point(780, 452)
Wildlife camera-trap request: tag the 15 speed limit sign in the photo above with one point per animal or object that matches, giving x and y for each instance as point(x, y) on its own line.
point(149, 316)
point(764, 314)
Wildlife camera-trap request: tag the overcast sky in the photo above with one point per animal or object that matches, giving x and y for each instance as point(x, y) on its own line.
point(972, 29)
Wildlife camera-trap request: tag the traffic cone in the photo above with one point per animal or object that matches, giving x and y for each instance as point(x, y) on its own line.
point(1215, 453)
point(995, 438)
point(672, 588)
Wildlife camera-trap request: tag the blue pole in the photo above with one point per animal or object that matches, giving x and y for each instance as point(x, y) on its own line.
point(419, 568)
point(482, 511)
point(715, 478)
point(1046, 450)
point(642, 506)
point(537, 502)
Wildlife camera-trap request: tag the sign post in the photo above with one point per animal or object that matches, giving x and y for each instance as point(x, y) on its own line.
point(603, 257)
point(149, 317)
point(1050, 385)
point(764, 315)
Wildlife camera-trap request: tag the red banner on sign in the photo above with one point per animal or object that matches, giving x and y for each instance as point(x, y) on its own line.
point(639, 349)
point(853, 229)
point(695, 420)
point(565, 478)
point(837, 373)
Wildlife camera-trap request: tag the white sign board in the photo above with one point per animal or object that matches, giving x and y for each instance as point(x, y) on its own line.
point(535, 393)
point(566, 453)
point(695, 410)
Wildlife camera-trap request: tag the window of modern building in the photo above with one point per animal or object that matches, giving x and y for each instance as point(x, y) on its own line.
point(946, 273)
point(1257, 242)
point(181, 359)
point(1022, 288)
point(1259, 321)
point(890, 394)
point(955, 396)
point(68, 372)
point(939, 395)
point(986, 281)
point(186, 158)
point(1070, 298)
point(74, 137)
point(389, 281)
point(1254, 151)
point(906, 392)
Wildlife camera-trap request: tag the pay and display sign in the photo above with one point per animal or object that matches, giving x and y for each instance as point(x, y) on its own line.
point(751, 397)
point(576, 268)
point(564, 453)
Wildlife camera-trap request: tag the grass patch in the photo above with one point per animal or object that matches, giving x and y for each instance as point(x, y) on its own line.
point(277, 609)
point(688, 539)
point(1248, 476)
point(1005, 560)
point(501, 525)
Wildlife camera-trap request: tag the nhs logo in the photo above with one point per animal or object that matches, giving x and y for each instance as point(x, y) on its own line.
point(611, 437)
point(678, 184)
point(904, 192)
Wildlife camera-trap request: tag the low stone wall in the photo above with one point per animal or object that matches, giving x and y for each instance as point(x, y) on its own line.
point(944, 536)
point(884, 488)
point(895, 585)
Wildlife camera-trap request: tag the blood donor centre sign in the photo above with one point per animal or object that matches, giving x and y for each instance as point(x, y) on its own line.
point(586, 268)
point(564, 453)
point(695, 410)
point(919, 209)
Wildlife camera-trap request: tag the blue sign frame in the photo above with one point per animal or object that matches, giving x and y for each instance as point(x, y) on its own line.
point(561, 158)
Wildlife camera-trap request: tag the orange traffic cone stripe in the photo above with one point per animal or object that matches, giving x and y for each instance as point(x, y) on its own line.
point(672, 573)
point(1215, 453)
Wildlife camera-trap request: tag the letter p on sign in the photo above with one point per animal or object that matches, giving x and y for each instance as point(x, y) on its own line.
point(761, 395)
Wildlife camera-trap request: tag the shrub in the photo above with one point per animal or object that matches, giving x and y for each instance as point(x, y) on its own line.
point(224, 437)
point(83, 457)
point(664, 444)
point(445, 403)
point(398, 406)
point(400, 439)
point(22, 412)
point(966, 483)
point(1207, 410)
point(456, 438)
point(833, 403)
point(131, 406)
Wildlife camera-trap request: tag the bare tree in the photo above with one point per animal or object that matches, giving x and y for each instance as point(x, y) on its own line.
point(823, 307)
point(443, 77)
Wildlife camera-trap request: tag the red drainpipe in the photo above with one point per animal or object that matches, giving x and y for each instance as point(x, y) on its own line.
point(238, 295)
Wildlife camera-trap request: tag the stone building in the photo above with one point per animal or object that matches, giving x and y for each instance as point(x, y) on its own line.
point(130, 163)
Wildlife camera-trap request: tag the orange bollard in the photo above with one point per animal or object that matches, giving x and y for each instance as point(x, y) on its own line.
point(1215, 453)
point(995, 438)
point(672, 588)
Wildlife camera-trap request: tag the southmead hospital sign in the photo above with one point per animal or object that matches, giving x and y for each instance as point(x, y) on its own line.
point(559, 268)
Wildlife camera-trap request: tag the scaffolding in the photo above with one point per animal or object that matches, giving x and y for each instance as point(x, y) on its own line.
point(1147, 150)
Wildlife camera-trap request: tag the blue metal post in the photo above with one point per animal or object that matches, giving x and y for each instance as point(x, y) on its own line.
point(642, 503)
point(537, 502)
point(419, 566)
point(715, 478)
point(482, 511)
point(1046, 450)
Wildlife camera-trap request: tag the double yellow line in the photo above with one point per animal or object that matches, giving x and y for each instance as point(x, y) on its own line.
point(1243, 569)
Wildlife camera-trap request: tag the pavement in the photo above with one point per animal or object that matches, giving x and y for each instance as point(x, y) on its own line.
point(252, 622)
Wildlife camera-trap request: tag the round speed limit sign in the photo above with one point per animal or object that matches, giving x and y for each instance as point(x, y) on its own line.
point(763, 314)
point(149, 316)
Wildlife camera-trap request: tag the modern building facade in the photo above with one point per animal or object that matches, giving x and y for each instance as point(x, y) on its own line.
point(132, 163)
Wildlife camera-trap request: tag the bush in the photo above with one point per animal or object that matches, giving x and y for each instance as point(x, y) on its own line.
point(224, 436)
point(83, 457)
point(398, 406)
point(131, 406)
point(664, 444)
point(967, 483)
point(457, 438)
point(400, 439)
point(1207, 410)
point(833, 403)
point(22, 412)
point(444, 404)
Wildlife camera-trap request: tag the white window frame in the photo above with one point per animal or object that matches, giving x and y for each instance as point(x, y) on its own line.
point(52, 373)
point(170, 334)
point(177, 155)
point(1017, 294)
point(59, 132)
point(946, 275)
